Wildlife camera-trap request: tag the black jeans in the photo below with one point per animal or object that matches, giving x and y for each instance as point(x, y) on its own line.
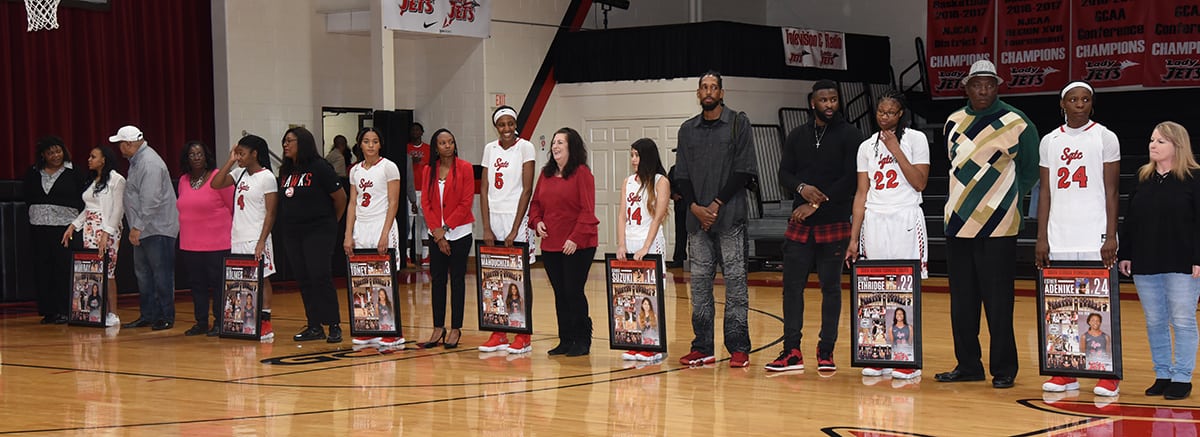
point(568, 275)
point(207, 283)
point(51, 269)
point(981, 272)
point(798, 261)
point(456, 265)
point(680, 232)
point(308, 255)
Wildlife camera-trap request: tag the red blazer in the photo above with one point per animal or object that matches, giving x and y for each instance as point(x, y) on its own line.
point(460, 194)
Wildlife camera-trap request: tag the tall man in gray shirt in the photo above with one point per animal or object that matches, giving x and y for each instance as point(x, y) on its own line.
point(153, 227)
point(714, 161)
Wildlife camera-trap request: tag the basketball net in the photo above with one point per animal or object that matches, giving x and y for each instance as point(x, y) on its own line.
point(43, 14)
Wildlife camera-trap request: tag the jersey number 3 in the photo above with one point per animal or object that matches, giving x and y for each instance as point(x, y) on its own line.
point(1065, 177)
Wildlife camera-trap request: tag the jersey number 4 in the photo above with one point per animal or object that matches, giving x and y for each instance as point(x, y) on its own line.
point(1065, 177)
point(891, 180)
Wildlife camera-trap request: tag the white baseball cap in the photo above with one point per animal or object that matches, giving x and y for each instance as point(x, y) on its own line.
point(982, 67)
point(126, 133)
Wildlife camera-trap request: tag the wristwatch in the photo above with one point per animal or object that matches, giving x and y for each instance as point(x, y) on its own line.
point(445, 228)
point(800, 189)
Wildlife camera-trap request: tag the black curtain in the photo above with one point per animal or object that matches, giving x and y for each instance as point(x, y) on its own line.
point(393, 126)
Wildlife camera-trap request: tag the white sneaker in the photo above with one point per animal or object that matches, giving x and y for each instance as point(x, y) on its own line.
point(391, 341)
point(906, 373)
point(876, 371)
point(650, 356)
point(1060, 384)
point(366, 340)
point(112, 320)
point(629, 356)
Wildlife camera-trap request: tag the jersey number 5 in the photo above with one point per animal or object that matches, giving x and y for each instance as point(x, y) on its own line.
point(1080, 176)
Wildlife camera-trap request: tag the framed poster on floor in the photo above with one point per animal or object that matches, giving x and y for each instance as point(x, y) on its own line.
point(89, 286)
point(242, 298)
point(885, 308)
point(1079, 320)
point(636, 309)
point(505, 298)
point(371, 291)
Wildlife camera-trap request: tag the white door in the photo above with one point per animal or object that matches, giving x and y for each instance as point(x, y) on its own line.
point(608, 144)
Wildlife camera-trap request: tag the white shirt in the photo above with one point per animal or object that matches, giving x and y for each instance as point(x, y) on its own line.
point(250, 203)
point(638, 212)
point(453, 233)
point(109, 202)
point(890, 190)
point(371, 205)
point(1075, 159)
point(502, 173)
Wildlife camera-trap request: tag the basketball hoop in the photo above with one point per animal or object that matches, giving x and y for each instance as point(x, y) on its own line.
point(43, 14)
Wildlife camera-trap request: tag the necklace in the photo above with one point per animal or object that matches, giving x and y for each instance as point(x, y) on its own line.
point(819, 135)
point(197, 183)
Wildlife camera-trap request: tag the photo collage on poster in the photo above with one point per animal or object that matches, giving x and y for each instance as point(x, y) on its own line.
point(886, 325)
point(635, 304)
point(1080, 334)
point(503, 274)
point(88, 305)
point(373, 306)
point(242, 297)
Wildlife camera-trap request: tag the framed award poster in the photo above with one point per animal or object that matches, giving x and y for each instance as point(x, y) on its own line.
point(636, 310)
point(371, 291)
point(242, 298)
point(885, 308)
point(89, 286)
point(1079, 320)
point(505, 301)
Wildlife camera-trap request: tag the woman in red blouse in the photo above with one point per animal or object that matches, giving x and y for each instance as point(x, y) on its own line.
point(563, 212)
point(446, 200)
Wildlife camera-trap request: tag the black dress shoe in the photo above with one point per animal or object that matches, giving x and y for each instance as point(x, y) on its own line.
point(310, 333)
point(139, 323)
point(161, 325)
point(1177, 390)
point(214, 332)
point(579, 349)
point(60, 319)
point(563, 347)
point(335, 334)
point(49, 319)
point(958, 376)
point(196, 330)
point(1002, 382)
point(1159, 387)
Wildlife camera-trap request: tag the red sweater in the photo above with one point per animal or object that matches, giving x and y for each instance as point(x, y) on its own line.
point(460, 194)
point(568, 206)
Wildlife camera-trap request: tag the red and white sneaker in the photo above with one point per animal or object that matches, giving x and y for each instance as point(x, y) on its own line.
point(1060, 384)
point(1107, 387)
point(630, 355)
point(365, 340)
point(390, 341)
point(906, 373)
point(498, 341)
point(788, 360)
point(739, 360)
point(876, 371)
point(520, 345)
point(649, 356)
point(267, 333)
point(697, 358)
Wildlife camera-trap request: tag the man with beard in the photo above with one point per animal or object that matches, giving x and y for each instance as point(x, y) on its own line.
point(715, 159)
point(994, 158)
point(819, 165)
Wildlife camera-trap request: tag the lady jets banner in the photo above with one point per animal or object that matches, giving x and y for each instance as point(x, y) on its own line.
point(443, 17)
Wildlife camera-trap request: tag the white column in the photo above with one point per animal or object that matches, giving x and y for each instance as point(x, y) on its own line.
point(220, 52)
point(383, 62)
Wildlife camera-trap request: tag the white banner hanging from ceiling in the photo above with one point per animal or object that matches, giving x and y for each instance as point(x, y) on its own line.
point(814, 48)
point(442, 17)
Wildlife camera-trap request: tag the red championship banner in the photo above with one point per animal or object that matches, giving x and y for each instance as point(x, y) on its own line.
point(1174, 40)
point(1032, 45)
point(1109, 42)
point(959, 32)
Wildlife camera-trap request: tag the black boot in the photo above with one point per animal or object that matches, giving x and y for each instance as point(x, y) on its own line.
point(583, 338)
point(564, 345)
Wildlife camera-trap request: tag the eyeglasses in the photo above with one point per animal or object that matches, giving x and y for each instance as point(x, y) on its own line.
point(195, 154)
point(290, 140)
point(888, 114)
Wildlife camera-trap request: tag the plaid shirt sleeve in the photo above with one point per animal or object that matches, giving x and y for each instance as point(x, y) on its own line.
point(819, 234)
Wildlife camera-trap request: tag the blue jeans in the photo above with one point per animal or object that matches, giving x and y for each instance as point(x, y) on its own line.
point(1169, 301)
point(154, 266)
point(727, 247)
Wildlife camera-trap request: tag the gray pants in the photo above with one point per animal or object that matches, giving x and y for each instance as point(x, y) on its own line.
point(705, 250)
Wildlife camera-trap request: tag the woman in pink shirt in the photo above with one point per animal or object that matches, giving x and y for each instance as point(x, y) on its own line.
point(205, 218)
point(563, 212)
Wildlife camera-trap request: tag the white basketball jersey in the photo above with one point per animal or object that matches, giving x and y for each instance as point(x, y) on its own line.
point(1075, 159)
point(250, 203)
point(371, 205)
point(890, 190)
point(503, 174)
point(638, 212)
